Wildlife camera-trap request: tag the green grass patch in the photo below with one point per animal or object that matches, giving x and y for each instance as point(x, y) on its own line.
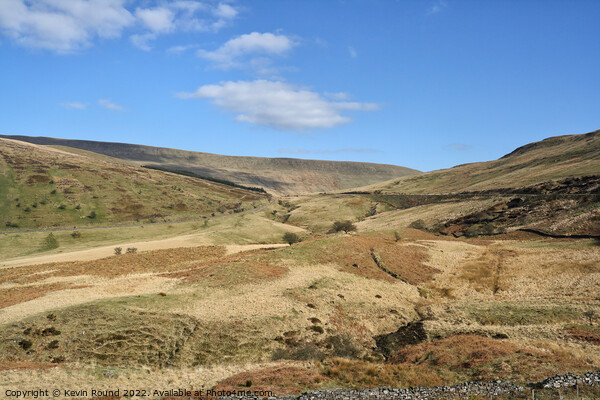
point(106, 333)
point(556, 244)
point(512, 314)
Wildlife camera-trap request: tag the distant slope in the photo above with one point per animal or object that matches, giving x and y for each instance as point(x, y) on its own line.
point(550, 159)
point(42, 187)
point(276, 175)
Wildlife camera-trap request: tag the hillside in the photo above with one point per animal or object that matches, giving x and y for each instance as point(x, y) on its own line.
point(429, 290)
point(550, 159)
point(276, 175)
point(43, 187)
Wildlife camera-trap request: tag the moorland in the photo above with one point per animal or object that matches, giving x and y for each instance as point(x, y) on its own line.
point(113, 274)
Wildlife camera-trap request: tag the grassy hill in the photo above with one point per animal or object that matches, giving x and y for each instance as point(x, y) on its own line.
point(276, 175)
point(43, 187)
point(550, 159)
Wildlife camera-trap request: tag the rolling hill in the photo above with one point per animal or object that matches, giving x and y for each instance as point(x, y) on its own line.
point(42, 187)
point(550, 159)
point(276, 175)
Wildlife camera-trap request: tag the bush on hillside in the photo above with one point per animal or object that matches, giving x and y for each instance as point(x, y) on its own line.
point(50, 242)
point(346, 226)
point(418, 224)
point(291, 238)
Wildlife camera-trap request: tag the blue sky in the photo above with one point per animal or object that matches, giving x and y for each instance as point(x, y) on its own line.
point(424, 84)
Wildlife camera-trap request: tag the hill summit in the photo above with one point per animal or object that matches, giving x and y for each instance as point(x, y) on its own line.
point(276, 175)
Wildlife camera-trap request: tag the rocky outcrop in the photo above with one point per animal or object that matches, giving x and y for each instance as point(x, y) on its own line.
point(412, 333)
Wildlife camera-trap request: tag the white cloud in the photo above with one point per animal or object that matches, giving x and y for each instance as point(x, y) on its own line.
point(352, 52)
point(188, 6)
point(63, 26)
point(277, 104)
point(180, 49)
point(74, 105)
point(158, 20)
point(110, 105)
point(141, 41)
point(67, 26)
point(235, 52)
point(337, 95)
point(225, 11)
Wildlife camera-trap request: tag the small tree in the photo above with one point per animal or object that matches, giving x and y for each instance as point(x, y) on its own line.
point(346, 226)
point(590, 315)
point(118, 250)
point(131, 249)
point(50, 241)
point(291, 238)
point(397, 236)
point(92, 215)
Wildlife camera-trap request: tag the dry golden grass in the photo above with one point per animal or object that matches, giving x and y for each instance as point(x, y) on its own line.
point(470, 357)
point(234, 269)
point(114, 266)
point(589, 334)
point(245, 301)
point(280, 380)
point(25, 365)
point(363, 374)
point(350, 251)
point(21, 294)
point(553, 158)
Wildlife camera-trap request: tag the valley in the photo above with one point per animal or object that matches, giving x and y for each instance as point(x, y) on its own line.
point(482, 272)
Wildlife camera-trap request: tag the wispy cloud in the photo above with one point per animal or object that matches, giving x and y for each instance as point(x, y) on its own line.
point(69, 26)
point(352, 52)
point(142, 41)
point(180, 49)
point(337, 95)
point(437, 7)
point(277, 104)
point(329, 151)
point(74, 105)
point(110, 105)
point(249, 49)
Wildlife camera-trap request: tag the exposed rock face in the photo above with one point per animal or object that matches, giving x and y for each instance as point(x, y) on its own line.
point(412, 333)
